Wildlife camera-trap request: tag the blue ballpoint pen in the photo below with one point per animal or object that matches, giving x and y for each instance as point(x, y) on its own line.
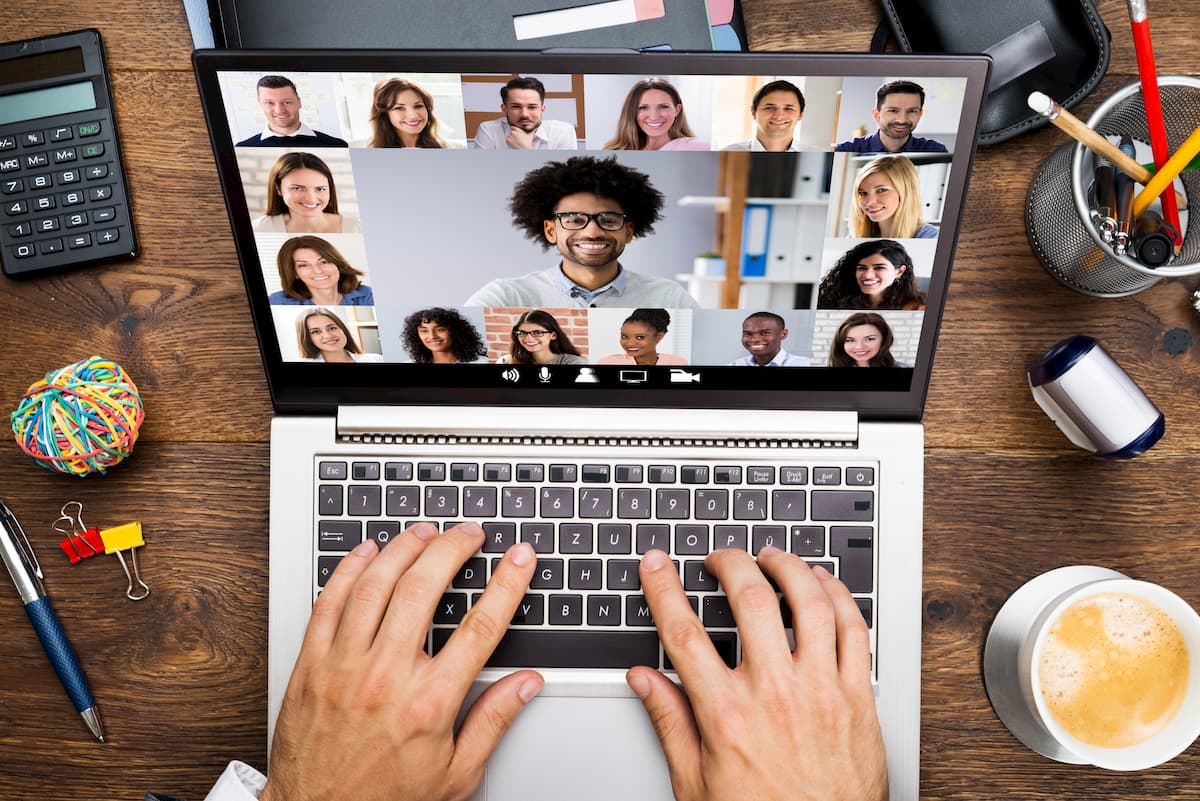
point(26, 574)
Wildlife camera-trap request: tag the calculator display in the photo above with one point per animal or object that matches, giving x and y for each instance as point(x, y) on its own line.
point(57, 64)
point(47, 102)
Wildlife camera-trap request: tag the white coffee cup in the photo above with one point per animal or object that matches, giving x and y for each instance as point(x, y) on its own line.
point(1018, 641)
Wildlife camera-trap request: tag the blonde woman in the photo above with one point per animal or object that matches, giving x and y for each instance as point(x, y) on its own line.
point(887, 201)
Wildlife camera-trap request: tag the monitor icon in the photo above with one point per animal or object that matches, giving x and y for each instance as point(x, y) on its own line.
point(633, 376)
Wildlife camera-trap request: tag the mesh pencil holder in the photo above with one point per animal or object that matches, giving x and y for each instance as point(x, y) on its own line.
point(1058, 214)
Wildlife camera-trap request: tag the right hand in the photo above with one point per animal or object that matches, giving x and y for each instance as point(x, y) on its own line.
point(783, 725)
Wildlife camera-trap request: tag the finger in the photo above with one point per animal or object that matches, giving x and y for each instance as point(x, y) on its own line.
point(674, 723)
point(853, 638)
point(476, 637)
point(812, 610)
point(755, 607)
point(683, 636)
point(327, 610)
point(418, 591)
point(492, 714)
point(372, 592)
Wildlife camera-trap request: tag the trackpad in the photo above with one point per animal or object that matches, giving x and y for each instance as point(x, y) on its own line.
point(585, 749)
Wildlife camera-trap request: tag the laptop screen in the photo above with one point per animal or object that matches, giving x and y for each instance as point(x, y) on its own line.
point(717, 230)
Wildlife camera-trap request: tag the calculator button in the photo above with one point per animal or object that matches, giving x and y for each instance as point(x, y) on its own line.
point(96, 171)
point(65, 154)
point(40, 181)
point(32, 139)
point(87, 128)
point(104, 215)
point(79, 241)
point(44, 203)
point(23, 251)
point(46, 224)
point(69, 177)
point(94, 150)
point(108, 235)
point(16, 207)
point(8, 142)
point(10, 165)
point(36, 160)
point(72, 198)
point(20, 229)
point(50, 246)
point(12, 186)
point(61, 134)
point(77, 219)
point(100, 193)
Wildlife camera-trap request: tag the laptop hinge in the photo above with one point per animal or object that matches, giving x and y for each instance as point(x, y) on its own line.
point(458, 425)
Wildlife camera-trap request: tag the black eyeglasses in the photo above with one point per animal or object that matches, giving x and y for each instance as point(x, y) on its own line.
point(578, 220)
point(536, 333)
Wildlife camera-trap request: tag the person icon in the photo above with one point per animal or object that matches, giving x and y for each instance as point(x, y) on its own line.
point(587, 375)
point(523, 103)
point(777, 108)
point(589, 209)
point(899, 106)
point(280, 104)
point(763, 334)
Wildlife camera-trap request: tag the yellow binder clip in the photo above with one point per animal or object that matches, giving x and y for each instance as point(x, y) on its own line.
point(127, 537)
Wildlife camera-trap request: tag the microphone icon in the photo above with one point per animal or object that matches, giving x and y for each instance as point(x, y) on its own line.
point(544, 375)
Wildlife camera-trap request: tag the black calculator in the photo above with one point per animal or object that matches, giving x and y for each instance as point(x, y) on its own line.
point(63, 199)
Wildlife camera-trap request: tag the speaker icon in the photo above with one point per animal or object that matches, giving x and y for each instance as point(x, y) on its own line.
point(511, 374)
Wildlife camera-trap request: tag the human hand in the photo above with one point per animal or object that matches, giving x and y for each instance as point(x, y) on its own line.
point(784, 725)
point(367, 714)
point(519, 138)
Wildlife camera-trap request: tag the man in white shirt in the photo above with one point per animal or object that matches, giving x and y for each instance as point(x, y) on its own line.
point(763, 334)
point(523, 101)
point(777, 109)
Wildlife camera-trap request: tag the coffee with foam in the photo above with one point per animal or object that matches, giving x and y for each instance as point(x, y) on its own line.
point(1114, 670)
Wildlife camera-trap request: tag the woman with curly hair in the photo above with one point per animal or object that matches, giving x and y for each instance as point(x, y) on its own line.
point(652, 118)
point(537, 338)
point(640, 334)
point(876, 274)
point(862, 340)
point(402, 116)
point(887, 201)
point(442, 336)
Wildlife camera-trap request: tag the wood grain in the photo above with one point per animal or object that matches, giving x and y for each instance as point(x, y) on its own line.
point(182, 674)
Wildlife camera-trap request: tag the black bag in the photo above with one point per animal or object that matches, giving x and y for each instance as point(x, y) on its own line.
point(1059, 47)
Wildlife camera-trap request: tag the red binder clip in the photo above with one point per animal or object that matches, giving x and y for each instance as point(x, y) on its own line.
point(79, 541)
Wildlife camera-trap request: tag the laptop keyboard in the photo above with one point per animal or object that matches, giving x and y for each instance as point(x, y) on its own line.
point(589, 521)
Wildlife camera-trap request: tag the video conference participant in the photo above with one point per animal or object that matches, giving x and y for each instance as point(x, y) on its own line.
point(280, 104)
point(899, 106)
point(876, 274)
point(763, 334)
point(523, 102)
point(315, 273)
point(537, 338)
point(402, 116)
point(589, 209)
point(323, 337)
point(302, 199)
point(442, 336)
point(652, 118)
point(777, 108)
point(863, 340)
point(640, 334)
point(887, 201)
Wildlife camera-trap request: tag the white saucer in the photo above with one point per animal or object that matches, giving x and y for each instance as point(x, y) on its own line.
point(1010, 627)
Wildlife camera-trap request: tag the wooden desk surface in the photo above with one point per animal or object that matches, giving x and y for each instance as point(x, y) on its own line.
point(181, 677)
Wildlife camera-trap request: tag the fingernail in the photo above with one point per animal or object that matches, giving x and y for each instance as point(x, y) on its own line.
point(425, 531)
point(471, 527)
point(530, 688)
point(521, 553)
point(769, 550)
point(365, 548)
point(654, 560)
point(821, 573)
point(638, 683)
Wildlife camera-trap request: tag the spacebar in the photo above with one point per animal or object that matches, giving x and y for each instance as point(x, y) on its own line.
point(527, 648)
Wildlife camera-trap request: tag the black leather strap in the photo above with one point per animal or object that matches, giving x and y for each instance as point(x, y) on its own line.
point(881, 37)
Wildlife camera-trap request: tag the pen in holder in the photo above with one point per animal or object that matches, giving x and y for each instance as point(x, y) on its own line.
point(1063, 231)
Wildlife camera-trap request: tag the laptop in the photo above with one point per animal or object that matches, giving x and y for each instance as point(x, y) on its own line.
point(443, 343)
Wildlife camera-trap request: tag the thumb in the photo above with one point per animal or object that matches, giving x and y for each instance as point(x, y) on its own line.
point(671, 715)
point(490, 717)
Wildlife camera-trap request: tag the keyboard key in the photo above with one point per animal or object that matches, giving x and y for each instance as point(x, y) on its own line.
point(717, 612)
point(499, 537)
point(548, 575)
point(749, 504)
point(47, 246)
point(557, 502)
point(629, 474)
point(479, 502)
point(604, 610)
point(531, 611)
point(637, 612)
point(595, 502)
point(325, 567)
point(528, 648)
point(574, 538)
point(338, 535)
point(496, 471)
point(727, 475)
point(773, 536)
point(696, 578)
point(104, 215)
point(595, 474)
point(565, 610)
point(865, 606)
point(76, 219)
point(712, 504)
point(431, 471)
point(614, 538)
point(662, 474)
point(531, 472)
point(860, 476)
point(564, 473)
point(518, 502)
point(807, 541)
point(827, 476)
point(365, 471)
point(364, 499)
point(403, 501)
point(464, 471)
point(691, 540)
point(855, 548)
point(383, 531)
point(760, 475)
point(88, 128)
point(539, 535)
point(633, 504)
point(472, 575)
point(653, 536)
point(694, 474)
point(585, 574)
point(729, 537)
point(787, 504)
point(672, 504)
point(108, 235)
point(725, 643)
point(329, 499)
point(95, 172)
point(623, 575)
point(793, 475)
point(855, 505)
point(451, 608)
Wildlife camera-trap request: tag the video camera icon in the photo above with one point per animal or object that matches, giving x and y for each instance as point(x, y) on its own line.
point(684, 377)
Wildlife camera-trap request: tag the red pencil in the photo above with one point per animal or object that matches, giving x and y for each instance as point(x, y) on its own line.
point(1139, 18)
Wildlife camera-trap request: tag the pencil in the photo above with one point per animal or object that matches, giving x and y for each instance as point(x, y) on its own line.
point(1163, 178)
point(1142, 47)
